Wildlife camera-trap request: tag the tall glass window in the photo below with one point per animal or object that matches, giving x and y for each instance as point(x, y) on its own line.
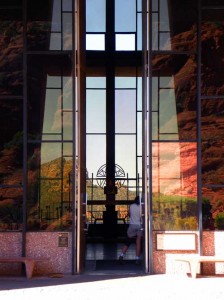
point(212, 114)
point(96, 136)
point(11, 111)
point(174, 115)
point(50, 162)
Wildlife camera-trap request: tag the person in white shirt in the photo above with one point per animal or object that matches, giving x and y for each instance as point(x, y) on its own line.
point(134, 230)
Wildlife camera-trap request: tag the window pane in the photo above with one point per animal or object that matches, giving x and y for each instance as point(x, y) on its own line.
point(95, 15)
point(67, 5)
point(67, 92)
point(139, 95)
point(139, 171)
point(174, 96)
point(11, 142)
point(155, 89)
point(46, 104)
point(95, 191)
point(125, 82)
point(155, 29)
point(167, 111)
point(212, 60)
point(52, 112)
point(139, 5)
point(125, 42)
point(125, 153)
point(56, 16)
point(155, 135)
point(164, 41)
point(125, 15)
point(55, 41)
point(95, 153)
point(67, 118)
point(49, 193)
point(125, 101)
point(126, 192)
point(94, 214)
point(67, 150)
point(95, 82)
point(174, 187)
point(11, 208)
point(139, 32)
point(96, 111)
point(53, 81)
point(67, 31)
point(164, 16)
point(155, 5)
point(48, 153)
point(11, 164)
point(212, 208)
point(212, 118)
point(11, 36)
point(139, 132)
point(95, 42)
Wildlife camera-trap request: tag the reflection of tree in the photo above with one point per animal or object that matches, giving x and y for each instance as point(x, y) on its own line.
point(49, 193)
point(174, 212)
point(11, 178)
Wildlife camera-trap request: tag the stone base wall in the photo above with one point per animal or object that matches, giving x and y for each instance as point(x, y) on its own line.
point(46, 244)
point(38, 245)
point(10, 245)
point(59, 257)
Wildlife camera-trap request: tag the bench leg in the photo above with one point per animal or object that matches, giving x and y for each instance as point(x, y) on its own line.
point(29, 268)
point(193, 268)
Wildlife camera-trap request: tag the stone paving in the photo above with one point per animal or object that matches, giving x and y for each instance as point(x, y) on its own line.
point(100, 287)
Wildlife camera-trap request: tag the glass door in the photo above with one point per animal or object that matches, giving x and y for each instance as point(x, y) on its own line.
point(113, 115)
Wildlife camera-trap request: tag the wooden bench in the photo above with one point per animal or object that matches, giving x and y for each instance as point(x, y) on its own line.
point(29, 263)
point(194, 260)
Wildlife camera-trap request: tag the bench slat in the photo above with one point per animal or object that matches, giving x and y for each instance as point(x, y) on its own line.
point(193, 261)
point(28, 261)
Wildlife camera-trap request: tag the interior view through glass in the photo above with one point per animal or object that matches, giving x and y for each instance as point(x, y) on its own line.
point(113, 125)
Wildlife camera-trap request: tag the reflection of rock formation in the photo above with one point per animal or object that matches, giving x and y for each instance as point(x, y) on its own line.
point(50, 186)
point(216, 199)
point(212, 110)
point(184, 70)
point(11, 194)
point(177, 169)
point(11, 55)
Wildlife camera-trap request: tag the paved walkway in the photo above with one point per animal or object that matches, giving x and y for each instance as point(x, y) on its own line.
point(125, 287)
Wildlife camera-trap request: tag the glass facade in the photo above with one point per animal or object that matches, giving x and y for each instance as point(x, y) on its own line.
point(37, 113)
point(11, 101)
point(173, 114)
point(134, 101)
point(212, 96)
